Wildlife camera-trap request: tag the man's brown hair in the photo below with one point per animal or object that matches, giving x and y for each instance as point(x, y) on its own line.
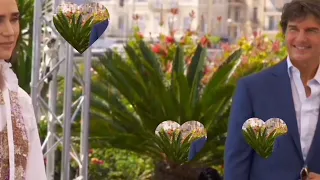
point(299, 9)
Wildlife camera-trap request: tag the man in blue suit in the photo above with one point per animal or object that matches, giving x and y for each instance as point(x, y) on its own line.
point(98, 30)
point(289, 91)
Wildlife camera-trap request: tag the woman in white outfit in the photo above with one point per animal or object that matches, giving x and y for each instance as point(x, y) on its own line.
point(21, 157)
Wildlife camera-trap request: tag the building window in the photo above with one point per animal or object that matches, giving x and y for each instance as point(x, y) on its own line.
point(255, 14)
point(156, 25)
point(142, 26)
point(271, 23)
point(121, 22)
point(186, 23)
point(237, 14)
point(235, 32)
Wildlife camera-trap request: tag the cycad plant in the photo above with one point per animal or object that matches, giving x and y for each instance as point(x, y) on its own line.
point(134, 96)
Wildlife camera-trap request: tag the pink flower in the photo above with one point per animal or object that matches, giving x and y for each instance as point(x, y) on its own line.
point(226, 47)
point(276, 47)
point(189, 59)
point(169, 67)
point(208, 69)
point(245, 60)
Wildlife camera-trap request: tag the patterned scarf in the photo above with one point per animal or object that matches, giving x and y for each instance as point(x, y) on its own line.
point(20, 138)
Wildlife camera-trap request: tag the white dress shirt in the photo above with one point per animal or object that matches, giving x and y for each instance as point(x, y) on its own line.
point(35, 169)
point(306, 108)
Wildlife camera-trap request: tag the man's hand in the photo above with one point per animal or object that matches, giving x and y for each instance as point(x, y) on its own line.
point(314, 176)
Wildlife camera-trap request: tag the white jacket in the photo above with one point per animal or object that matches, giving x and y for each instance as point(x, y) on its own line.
point(35, 169)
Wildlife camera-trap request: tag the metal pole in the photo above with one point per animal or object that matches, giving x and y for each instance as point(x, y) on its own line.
point(85, 115)
point(65, 170)
point(36, 55)
point(51, 106)
point(53, 90)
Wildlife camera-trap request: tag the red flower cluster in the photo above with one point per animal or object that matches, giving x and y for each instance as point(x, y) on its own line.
point(159, 49)
point(97, 161)
point(205, 42)
point(170, 40)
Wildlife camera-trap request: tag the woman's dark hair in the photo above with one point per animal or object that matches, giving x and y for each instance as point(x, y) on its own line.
point(14, 55)
point(299, 9)
point(15, 51)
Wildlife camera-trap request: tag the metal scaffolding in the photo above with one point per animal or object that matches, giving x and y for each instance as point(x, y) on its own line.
point(51, 56)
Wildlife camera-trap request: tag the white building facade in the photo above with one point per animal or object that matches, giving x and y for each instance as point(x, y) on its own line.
point(226, 18)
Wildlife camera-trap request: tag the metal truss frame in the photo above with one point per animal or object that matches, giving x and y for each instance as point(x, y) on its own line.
point(45, 66)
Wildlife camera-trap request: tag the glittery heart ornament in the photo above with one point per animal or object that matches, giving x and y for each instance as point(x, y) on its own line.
point(81, 25)
point(189, 131)
point(173, 141)
point(261, 136)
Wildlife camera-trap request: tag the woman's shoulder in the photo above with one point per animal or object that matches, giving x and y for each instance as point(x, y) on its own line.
point(24, 96)
point(27, 108)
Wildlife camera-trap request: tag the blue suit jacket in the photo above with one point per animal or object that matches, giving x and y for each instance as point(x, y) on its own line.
point(98, 30)
point(266, 95)
point(196, 147)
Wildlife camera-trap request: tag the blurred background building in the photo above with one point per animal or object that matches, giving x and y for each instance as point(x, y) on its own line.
point(226, 18)
point(229, 19)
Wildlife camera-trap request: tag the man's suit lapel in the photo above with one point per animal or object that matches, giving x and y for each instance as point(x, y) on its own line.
point(283, 91)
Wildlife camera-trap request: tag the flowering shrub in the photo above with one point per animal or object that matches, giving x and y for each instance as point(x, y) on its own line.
point(110, 163)
point(259, 50)
point(165, 48)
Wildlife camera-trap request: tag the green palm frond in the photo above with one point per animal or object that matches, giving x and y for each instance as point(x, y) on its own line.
point(134, 97)
point(261, 141)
